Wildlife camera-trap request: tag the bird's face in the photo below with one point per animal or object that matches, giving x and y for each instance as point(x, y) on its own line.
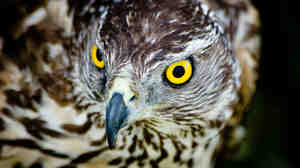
point(168, 70)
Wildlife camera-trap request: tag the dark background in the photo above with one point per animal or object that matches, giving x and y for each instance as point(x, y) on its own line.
point(272, 127)
point(272, 132)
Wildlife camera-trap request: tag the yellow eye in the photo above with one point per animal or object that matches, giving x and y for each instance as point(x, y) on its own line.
point(97, 57)
point(179, 72)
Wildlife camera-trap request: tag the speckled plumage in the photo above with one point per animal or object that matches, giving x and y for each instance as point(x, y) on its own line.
point(53, 99)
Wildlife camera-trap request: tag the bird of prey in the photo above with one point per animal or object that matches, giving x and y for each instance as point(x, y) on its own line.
point(125, 83)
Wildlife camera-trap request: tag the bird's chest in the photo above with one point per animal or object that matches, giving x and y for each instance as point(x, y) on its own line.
point(149, 149)
point(59, 136)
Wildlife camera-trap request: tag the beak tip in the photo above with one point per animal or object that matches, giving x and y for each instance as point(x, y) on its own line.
point(111, 142)
point(111, 145)
point(110, 138)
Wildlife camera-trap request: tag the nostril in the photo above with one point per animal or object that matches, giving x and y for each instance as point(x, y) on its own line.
point(132, 98)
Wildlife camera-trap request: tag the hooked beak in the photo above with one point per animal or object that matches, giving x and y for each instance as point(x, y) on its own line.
point(116, 117)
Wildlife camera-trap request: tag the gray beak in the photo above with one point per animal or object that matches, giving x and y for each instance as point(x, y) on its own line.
point(116, 117)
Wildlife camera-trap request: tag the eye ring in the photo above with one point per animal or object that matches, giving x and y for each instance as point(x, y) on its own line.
point(97, 57)
point(179, 72)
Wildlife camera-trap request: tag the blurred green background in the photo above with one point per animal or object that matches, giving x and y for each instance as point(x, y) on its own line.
point(270, 143)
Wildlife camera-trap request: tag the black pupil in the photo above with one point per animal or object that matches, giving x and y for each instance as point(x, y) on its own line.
point(99, 55)
point(178, 71)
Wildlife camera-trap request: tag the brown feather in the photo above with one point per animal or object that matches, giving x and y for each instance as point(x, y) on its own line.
point(246, 41)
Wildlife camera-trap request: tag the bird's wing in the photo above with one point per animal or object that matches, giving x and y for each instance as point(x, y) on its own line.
point(32, 58)
point(37, 40)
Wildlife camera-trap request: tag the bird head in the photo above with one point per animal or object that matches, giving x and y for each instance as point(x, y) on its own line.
point(163, 66)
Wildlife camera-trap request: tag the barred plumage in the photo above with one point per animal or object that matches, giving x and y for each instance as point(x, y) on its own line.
point(60, 110)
